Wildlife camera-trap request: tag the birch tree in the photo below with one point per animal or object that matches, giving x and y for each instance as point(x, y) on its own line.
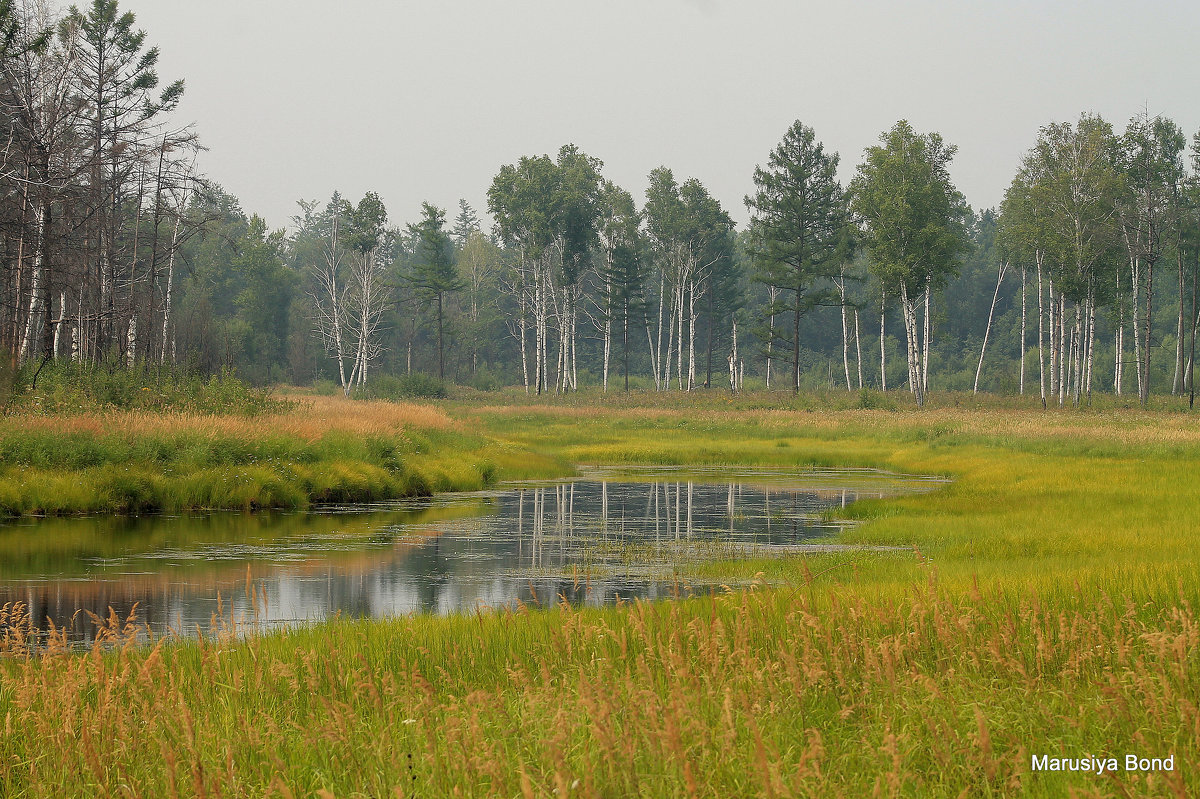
point(1075, 184)
point(914, 228)
point(1024, 233)
point(620, 301)
point(689, 234)
point(547, 210)
point(1150, 159)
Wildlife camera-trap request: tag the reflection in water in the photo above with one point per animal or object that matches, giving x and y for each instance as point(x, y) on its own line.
point(587, 541)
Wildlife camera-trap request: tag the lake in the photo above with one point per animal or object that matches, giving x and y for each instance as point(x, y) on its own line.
point(605, 536)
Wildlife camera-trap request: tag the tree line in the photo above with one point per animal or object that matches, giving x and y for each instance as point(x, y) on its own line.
point(115, 251)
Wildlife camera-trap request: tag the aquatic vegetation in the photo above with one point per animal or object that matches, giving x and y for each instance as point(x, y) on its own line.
point(1042, 604)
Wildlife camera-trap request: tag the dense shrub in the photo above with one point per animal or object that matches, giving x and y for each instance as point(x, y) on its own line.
point(68, 387)
point(411, 386)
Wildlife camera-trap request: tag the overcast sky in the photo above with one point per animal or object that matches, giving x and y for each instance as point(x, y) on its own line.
point(426, 100)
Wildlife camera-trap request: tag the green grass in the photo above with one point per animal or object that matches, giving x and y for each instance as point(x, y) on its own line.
point(1044, 604)
point(68, 387)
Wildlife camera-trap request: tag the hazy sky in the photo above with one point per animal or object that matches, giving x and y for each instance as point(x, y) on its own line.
point(297, 98)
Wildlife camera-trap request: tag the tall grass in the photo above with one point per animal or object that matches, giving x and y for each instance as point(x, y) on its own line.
point(1046, 604)
point(316, 450)
point(805, 692)
point(66, 387)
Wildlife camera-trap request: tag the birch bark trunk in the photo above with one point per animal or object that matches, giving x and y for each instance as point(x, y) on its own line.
point(1041, 325)
point(928, 341)
point(841, 284)
point(883, 341)
point(858, 350)
point(988, 329)
point(37, 289)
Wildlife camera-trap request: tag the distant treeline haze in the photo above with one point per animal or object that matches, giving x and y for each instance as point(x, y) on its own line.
point(115, 251)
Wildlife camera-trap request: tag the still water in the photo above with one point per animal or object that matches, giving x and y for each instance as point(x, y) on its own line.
point(607, 535)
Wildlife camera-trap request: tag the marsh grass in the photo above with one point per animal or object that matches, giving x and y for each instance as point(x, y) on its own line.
point(319, 449)
point(1043, 603)
point(801, 692)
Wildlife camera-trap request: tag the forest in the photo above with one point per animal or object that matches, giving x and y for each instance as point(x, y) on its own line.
point(117, 252)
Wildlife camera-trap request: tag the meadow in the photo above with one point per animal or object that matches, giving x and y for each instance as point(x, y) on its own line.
point(1044, 604)
point(288, 455)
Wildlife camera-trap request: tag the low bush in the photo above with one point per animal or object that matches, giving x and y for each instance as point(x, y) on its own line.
point(396, 387)
point(70, 387)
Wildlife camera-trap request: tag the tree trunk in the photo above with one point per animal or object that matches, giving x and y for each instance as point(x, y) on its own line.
point(1091, 346)
point(1177, 382)
point(607, 331)
point(1024, 270)
point(1135, 289)
point(1041, 317)
point(796, 346)
point(841, 284)
point(882, 340)
point(1195, 323)
point(913, 346)
point(441, 358)
point(988, 329)
point(858, 350)
point(691, 381)
point(521, 327)
point(656, 347)
point(1149, 325)
point(167, 295)
point(39, 288)
point(928, 340)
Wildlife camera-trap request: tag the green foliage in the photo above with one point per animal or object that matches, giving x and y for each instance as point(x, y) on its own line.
point(70, 387)
point(325, 388)
point(869, 399)
point(233, 307)
point(798, 226)
point(486, 380)
point(417, 385)
point(915, 218)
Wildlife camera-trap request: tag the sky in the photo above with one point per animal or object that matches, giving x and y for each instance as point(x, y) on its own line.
point(295, 99)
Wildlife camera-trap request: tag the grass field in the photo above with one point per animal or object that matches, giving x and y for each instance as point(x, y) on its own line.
point(317, 449)
point(1044, 605)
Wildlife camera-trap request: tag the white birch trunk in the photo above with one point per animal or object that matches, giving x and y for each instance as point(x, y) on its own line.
point(1041, 330)
point(988, 329)
point(521, 325)
point(166, 325)
point(858, 350)
point(691, 381)
point(661, 370)
point(59, 321)
point(37, 310)
point(883, 341)
point(841, 285)
point(607, 329)
point(928, 341)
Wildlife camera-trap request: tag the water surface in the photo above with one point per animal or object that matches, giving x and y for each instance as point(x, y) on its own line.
point(604, 536)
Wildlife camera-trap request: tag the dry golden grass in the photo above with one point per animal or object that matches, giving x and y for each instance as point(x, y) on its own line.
point(776, 694)
point(312, 418)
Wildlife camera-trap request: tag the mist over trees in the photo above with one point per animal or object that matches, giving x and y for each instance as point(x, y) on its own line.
point(116, 252)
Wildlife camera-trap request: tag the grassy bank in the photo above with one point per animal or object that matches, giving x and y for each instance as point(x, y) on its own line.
point(313, 449)
point(1045, 605)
